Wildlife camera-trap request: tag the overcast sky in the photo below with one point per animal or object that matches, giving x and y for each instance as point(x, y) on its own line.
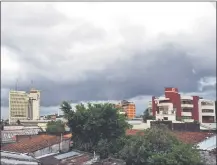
point(107, 51)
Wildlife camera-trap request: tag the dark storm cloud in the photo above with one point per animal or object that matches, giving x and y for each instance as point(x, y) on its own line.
point(126, 79)
point(43, 50)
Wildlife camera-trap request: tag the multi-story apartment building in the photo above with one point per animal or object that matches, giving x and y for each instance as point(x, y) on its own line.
point(127, 108)
point(18, 106)
point(174, 106)
point(24, 106)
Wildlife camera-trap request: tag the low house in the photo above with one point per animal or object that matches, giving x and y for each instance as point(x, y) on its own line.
point(11, 158)
point(72, 157)
point(8, 135)
point(110, 161)
point(38, 145)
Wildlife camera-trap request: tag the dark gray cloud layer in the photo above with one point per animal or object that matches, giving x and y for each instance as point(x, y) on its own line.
point(42, 46)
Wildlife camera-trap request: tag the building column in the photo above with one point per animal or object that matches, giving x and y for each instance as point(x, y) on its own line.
point(195, 112)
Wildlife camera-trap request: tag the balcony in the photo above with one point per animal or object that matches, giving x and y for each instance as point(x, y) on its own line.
point(207, 105)
point(208, 114)
point(187, 103)
point(186, 114)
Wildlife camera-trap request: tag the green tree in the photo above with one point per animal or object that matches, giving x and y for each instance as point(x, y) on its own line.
point(18, 122)
point(95, 127)
point(146, 116)
point(55, 127)
point(160, 147)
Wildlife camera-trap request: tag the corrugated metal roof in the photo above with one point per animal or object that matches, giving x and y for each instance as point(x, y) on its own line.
point(11, 158)
point(17, 162)
point(208, 144)
point(67, 155)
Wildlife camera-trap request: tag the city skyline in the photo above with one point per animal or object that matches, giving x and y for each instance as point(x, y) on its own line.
point(72, 52)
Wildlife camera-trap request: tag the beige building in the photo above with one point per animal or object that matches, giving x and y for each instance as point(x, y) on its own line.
point(24, 106)
point(34, 104)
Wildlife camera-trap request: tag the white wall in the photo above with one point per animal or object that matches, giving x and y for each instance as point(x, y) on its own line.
point(149, 123)
point(186, 114)
point(35, 104)
point(170, 117)
point(64, 145)
point(141, 126)
point(200, 107)
point(134, 122)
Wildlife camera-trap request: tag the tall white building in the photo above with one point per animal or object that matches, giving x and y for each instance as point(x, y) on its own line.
point(23, 105)
point(18, 106)
point(34, 104)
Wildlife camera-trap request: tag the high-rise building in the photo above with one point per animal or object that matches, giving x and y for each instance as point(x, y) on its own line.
point(127, 108)
point(18, 106)
point(174, 106)
point(23, 105)
point(34, 104)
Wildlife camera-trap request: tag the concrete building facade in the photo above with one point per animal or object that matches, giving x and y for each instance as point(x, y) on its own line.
point(128, 108)
point(18, 106)
point(23, 105)
point(174, 106)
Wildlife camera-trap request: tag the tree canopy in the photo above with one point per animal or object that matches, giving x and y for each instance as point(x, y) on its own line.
point(100, 128)
point(55, 127)
point(95, 125)
point(18, 122)
point(160, 147)
point(146, 116)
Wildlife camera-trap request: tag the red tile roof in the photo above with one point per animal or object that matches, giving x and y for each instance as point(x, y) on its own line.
point(32, 144)
point(186, 137)
point(192, 137)
point(134, 132)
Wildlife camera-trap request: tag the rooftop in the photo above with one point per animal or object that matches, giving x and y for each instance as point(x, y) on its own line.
point(186, 137)
point(73, 157)
point(32, 144)
point(9, 135)
point(17, 158)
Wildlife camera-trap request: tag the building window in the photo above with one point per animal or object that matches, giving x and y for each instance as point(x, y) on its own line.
point(186, 102)
point(187, 109)
point(207, 110)
point(186, 117)
point(207, 119)
point(165, 118)
point(164, 101)
point(207, 103)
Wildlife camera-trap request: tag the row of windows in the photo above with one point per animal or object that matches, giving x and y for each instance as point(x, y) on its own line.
point(186, 102)
point(207, 110)
point(186, 117)
point(18, 115)
point(19, 105)
point(207, 103)
point(18, 109)
point(187, 109)
point(17, 98)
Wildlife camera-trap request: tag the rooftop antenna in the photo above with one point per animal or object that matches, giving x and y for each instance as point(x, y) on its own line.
point(31, 85)
point(16, 84)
